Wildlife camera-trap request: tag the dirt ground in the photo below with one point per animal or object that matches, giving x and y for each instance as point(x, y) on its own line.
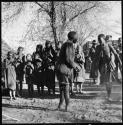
point(89, 108)
point(82, 109)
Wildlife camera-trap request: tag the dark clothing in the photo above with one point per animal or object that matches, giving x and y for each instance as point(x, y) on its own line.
point(35, 56)
point(93, 72)
point(20, 62)
point(49, 57)
point(30, 85)
point(92, 53)
point(29, 68)
point(37, 53)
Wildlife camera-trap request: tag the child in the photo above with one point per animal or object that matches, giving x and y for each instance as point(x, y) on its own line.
point(38, 74)
point(10, 74)
point(28, 69)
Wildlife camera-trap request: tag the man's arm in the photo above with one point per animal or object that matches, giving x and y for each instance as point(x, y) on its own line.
point(70, 55)
point(116, 55)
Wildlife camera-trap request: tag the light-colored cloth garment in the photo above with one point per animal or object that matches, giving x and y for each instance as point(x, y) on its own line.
point(80, 60)
point(10, 74)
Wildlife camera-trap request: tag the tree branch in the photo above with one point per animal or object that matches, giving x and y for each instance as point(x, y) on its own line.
point(44, 9)
point(82, 12)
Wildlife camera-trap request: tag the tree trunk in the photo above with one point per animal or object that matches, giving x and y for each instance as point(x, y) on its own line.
point(53, 23)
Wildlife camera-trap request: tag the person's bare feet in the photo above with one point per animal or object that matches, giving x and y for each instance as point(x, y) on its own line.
point(59, 109)
point(10, 98)
point(108, 98)
point(14, 98)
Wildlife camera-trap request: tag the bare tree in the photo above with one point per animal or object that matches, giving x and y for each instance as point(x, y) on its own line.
point(71, 11)
point(49, 8)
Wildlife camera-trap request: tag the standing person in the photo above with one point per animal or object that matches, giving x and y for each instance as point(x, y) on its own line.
point(108, 40)
point(28, 69)
point(49, 58)
point(38, 52)
point(65, 66)
point(37, 55)
point(10, 74)
point(103, 62)
point(93, 73)
point(20, 59)
point(37, 75)
point(118, 67)
point(79, 77)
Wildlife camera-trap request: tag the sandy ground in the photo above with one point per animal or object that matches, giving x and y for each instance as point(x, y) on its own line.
point(43, 109)
point(89, 108)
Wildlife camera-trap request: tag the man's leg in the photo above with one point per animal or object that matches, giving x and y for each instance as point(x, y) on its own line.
point(108, 78)
point(108, 89)
point(71, 87)
point(61, 87)
point(67, 96)
point(14, 95)
point(98, 78)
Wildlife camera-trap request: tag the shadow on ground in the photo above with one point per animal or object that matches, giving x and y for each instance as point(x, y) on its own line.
point(112, 102)
point(27, 107)
point(47, 96)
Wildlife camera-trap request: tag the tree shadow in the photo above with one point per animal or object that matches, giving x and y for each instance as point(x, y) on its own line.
point(112, 108)
point(84, 96)
point(26, 107)
point(35, 94)
point(117, 102)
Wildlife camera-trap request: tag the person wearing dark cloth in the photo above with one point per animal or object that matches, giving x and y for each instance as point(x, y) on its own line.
point(37, 61)
point(10, 74)
point(28, 69)
point(37, 74)
point(64, 68)
point(49, 58)
point(20, 60)
point(104, 63)
point(38, 52)
point(91, 56)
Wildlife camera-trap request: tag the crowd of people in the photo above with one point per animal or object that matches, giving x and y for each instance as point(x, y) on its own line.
point(67, 63)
